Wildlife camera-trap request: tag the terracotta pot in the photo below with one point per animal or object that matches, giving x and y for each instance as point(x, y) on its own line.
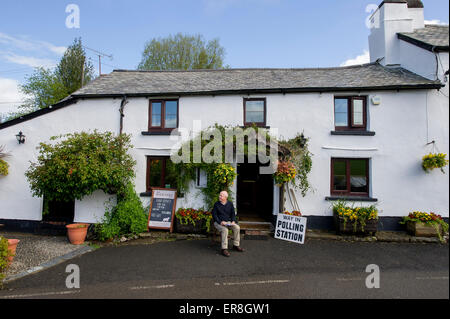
point(12, 245)
point(77, 233)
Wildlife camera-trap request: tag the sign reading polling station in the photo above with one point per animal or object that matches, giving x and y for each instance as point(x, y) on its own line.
point(291, 228)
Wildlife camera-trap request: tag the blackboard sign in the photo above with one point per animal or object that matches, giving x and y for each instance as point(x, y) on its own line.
point(162, 208)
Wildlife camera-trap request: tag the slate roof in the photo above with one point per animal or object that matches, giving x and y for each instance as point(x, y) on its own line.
point(372, 76)
point(432, 37)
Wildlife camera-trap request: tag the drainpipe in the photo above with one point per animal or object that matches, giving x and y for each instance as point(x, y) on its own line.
point(122, 115)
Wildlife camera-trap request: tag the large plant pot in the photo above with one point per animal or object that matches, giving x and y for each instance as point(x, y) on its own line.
point(12, 245)
point(77, 233)
point(370, 227)
point(420, 229)
point(189, 228)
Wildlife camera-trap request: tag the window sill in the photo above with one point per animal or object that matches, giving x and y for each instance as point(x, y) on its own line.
point(165, 133)
point(351, 198)
point(356, 133)
point(257, 126)
point(149, 194)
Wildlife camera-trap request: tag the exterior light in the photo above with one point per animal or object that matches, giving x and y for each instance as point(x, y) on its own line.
point(20, 138)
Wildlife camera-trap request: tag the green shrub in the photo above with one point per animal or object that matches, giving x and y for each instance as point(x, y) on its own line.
point(126, 218)
point(4, 254)
point(80, 164)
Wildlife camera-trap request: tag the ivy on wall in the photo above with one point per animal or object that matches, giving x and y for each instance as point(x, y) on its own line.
point(221, 174)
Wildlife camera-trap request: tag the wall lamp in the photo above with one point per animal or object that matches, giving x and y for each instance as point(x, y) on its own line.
point(20, 138)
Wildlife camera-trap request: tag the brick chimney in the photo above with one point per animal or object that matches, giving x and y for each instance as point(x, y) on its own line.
point(392, 17)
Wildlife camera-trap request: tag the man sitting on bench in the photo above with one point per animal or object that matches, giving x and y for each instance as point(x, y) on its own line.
point(224, 217)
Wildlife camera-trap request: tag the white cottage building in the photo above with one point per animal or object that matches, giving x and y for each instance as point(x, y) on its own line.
point(382, 117)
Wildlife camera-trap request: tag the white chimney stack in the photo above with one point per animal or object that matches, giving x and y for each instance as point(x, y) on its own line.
point(392, 17)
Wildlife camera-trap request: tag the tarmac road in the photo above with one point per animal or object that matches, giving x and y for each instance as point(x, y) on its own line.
point(273, 269)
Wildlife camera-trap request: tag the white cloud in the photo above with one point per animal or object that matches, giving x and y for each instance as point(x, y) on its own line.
point(29, 61)
point(24, 43)
point(360, 59)
point(435, 21)
point(10, 95)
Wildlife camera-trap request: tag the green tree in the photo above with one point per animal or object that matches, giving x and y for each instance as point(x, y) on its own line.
point(182, 52)
point(46, 87)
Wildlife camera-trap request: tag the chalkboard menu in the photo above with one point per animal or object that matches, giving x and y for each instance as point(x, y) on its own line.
point(162, 208)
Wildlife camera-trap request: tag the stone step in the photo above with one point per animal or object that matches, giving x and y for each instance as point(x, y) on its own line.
point(257, 226)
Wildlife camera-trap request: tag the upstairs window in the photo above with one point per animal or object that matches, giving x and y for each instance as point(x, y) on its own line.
point(350, 113)
point(163, 115)
point(255, 112)
point(350, 176)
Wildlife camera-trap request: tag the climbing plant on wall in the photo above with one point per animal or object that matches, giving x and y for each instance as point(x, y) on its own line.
point(217, 140)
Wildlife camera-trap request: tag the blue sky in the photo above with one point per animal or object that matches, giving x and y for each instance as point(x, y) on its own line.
point(254, 33)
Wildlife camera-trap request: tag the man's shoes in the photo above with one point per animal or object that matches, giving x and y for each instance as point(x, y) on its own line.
point(238, 248)
point(225, 252)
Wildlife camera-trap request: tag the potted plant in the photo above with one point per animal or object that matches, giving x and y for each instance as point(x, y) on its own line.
point(356, 220)
point(12, 246)
point(192, 221)
point(434, 160)
point(77, 233)
point(425, 224)
point(5, 257)
point(285, 173)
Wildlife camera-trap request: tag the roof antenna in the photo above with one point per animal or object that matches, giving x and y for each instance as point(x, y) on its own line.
point(100, 55)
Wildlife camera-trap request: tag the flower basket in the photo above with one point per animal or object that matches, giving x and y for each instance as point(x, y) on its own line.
point(349, 227)
point(189, 228)
point(433, 160)
point(420, 229)
point(355, 220)
point(192, 221)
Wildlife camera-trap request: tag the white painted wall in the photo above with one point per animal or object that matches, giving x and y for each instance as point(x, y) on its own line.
point(16, 200)
point(91, 209)
point(402, 123)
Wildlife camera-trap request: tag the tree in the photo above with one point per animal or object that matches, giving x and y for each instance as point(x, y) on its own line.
point(46, 87)
point(182, 52)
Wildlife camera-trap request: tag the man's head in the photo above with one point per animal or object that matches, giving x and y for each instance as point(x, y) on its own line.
point(223, 196)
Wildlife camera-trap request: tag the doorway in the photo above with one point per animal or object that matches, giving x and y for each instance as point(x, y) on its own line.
point(59, 212)
point(254, 198)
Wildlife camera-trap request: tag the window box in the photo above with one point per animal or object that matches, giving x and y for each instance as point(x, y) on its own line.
point(350, 113)
point(349, 227)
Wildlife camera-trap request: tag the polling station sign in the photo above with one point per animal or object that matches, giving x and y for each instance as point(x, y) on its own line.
point(291, 228)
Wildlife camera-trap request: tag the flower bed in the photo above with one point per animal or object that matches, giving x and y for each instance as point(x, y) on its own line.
point(192, 221)
point(362, 220)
